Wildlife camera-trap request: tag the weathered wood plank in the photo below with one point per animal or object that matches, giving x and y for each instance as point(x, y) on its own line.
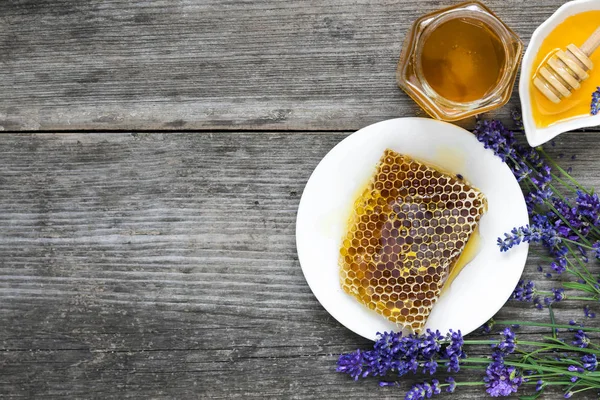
point(213, 64)
point(156, 265)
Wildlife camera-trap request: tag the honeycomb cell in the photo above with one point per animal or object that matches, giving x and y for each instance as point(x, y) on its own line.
point(407, 230)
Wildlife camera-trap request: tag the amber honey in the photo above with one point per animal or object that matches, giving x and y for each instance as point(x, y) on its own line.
point(408, 236)
point(463, 60)
point(459, 61)
point(575, 29)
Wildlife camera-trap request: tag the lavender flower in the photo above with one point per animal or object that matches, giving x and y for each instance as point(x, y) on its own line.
point(524, 291)
point(376, 363)
point(559, 294)
point(456, 344)
point(536, 197)
point(540, 231)
point(507, 343)
point(574, 218)
point(487, 327)
point(590, 362)
point(588, 205)
point(451, 384)
point(573, 368)
point(430, 367)
point(524, 162)
point(501, 380)
point(573, 323)
point(524, 234)
point(494, 135)
point(560, 266)
point(595, 105)
point(352, 364)
point(423, 390)
point(596, 247)
point(581, 339)
point(453, 363)
point(430, 344)
point(588, 313)
point(393, 352)
point(539, 386)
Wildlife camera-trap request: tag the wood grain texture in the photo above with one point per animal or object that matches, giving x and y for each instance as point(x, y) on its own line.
point(152, 265)
point(213, 64)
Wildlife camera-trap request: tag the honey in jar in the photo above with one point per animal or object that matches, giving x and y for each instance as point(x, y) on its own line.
point(459, 61)
point(462, 59)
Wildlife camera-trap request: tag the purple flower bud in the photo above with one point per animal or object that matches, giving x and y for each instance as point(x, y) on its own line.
point(595, 105)
point(588, 313)
point(539, 386)
point(581, 339)
point(590, 362)
point(451, 384)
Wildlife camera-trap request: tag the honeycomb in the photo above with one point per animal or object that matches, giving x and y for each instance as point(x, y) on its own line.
point(406, 233)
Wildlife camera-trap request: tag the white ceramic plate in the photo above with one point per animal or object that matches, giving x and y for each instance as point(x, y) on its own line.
point(484, 284)
point(537, 136)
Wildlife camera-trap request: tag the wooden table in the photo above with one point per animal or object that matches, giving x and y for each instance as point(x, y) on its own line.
point(151, 164)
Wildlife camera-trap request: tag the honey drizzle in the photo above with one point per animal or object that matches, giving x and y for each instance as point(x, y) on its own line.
point(471, 250)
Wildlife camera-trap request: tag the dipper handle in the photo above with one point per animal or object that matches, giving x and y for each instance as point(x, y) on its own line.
point(592, 43)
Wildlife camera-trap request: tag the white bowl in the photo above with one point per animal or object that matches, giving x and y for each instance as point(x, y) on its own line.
point(537, 136)
point(480, 289)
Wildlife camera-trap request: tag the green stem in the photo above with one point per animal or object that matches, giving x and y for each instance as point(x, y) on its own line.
point(481, 341)
point(472, 367)
point(589, 279)
point(568, 297)
point(577, 243)
point(561, 347)
point(529, 355)
point(550, 383)
point(542, 324)
point(534, 367)
point(553, 320)
point(465, 384)
point(579, 286)
point(584, 389)
point(544, 375)
point(582, 298)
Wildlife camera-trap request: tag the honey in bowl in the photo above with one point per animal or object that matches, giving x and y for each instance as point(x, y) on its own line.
point(575, 29)
point(405, 238)
point(463, 59)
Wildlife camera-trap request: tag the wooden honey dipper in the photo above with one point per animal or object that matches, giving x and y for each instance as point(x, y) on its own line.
point(564, 70)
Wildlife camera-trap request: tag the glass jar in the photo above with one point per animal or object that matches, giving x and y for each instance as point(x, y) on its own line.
point(412, 78)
